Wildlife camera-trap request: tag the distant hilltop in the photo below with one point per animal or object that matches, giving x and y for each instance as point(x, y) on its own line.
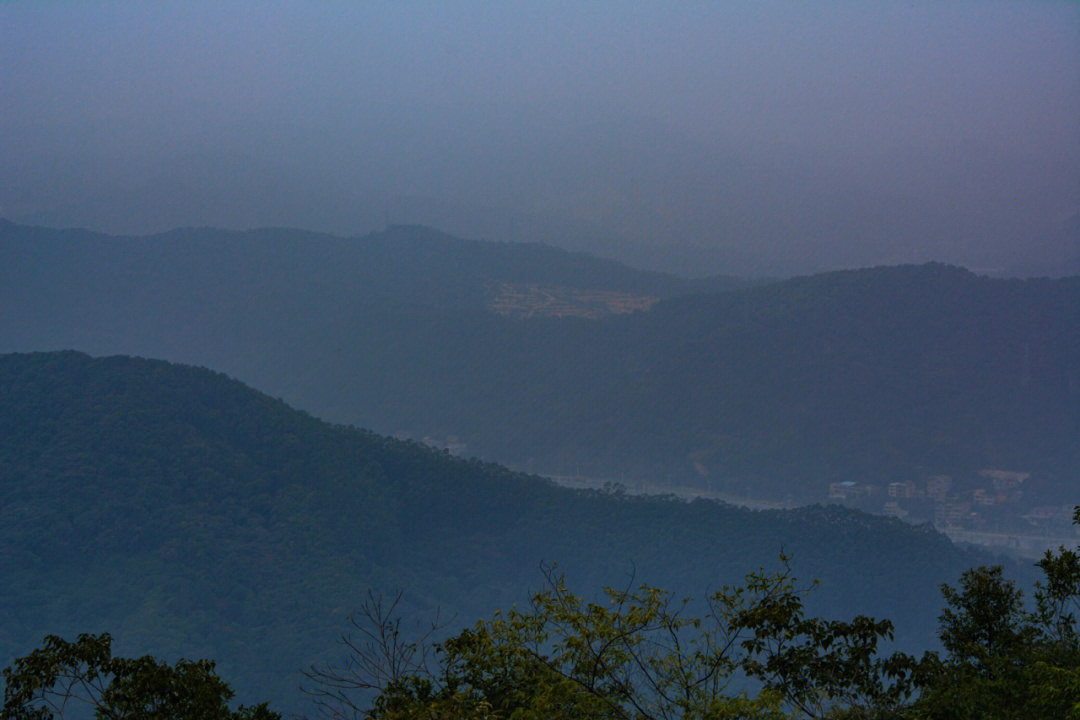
point(188, 512)
point(566, 364)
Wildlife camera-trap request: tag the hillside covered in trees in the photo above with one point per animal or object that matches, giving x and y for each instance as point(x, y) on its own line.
point(190, 515)
point(562, 363)
point(636, 653)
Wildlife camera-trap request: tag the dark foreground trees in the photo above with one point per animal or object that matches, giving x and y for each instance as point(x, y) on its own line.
point(635, 654)
point(640, 654)
point(1003, 661)
point(82, 679)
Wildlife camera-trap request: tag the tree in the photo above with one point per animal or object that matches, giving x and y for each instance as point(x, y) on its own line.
point(823, 668)
point(383, 661)
point(1057, 599)
point(634, 654)
point(640, 654)
point(65, 679)
point(984, 622)
point(1003, 662)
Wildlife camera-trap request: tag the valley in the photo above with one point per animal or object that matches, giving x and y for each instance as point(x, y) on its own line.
point(1046, 528)
point(191, 514)
point(856, 387)
point(539, 360)
point(777, 388)
point(719, 422)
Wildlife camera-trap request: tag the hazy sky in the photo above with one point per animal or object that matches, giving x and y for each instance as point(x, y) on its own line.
point(719, 137)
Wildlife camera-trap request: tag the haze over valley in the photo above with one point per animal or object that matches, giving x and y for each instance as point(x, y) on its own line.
point(576, 367)
point(738, 138)
point(419, 359)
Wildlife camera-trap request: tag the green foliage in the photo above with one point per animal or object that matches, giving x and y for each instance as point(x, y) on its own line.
point(822, 667)
point(82, 678)
point(640, 654)
point(633, 654)
point(1003, 662)
point(984, 621)
point(1057, 598)
point(864, 373)
point(225, 524)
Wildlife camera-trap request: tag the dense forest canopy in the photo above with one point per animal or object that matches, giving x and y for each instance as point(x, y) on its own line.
point(665, 361)
point(566, 364)
point(637, 653)
point(192, 516)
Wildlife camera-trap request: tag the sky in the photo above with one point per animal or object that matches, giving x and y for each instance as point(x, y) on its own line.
point(698, 138)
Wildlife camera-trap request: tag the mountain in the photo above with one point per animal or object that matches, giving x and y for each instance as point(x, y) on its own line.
point(191, 515)
point(402, 267)
point(867, 374)
point(566, 364)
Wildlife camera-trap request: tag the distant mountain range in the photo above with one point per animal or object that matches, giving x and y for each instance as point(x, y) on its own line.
point(190, 515)
point(567, 364)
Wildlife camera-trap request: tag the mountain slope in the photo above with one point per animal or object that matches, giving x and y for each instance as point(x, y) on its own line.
point(868, 374)
point(401, 267)
point(188, 514)
point(878, 374)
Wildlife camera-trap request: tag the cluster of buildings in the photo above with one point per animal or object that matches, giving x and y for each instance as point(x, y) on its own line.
point(991, 499)
point(533, 300)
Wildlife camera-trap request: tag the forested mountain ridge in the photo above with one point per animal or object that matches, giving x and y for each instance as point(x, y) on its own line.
point(186, 513)
point(870, 374)
point(404, 266)
point(875, 375)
